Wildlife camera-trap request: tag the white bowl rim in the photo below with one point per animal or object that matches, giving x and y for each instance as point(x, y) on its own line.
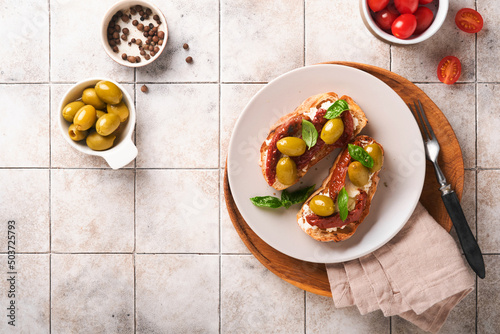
point(125, 137)
point(104, 27)
point(433, 28)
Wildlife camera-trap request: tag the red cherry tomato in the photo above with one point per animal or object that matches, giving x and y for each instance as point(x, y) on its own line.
point(386, 17)
point(469, 20)
point(424, 2)
point(424, 18)
point(377, 5)
point(404, 26)
point(449, 70)
point(406, 6)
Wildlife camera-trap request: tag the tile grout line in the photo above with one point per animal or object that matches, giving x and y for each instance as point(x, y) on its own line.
point(177, 168)
point(304, 37)
point(304, 63)
point(135, 207)
point(219, 176)
point(476, 154)
point(110, 169)
point(50, 173)
point(305, 312)
point(390, 57)
point(476, 171)
point(477, 239)
point(213, 82)
point(158, 253)
point(475, 99)
point(145, 253)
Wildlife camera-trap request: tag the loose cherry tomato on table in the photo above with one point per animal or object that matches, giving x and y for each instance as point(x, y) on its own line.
point(449, 70)
point(406, 6)
point(404, 26)
point(424, 2)
point(469, 20)
point(377, 5)
point(424, 18)
point(386, 17)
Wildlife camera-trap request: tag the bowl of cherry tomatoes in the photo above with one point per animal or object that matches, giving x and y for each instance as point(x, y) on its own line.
point(403, 22)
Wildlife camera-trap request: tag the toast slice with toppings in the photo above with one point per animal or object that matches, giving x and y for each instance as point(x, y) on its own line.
point(312, 110)
point(331, 227)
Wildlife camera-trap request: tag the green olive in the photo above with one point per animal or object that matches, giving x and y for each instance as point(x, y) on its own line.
point(97, 142)
point(106, 124)
point(120, 109)
point(332, 130)
point(108, 92)
point(119, 130)
point(322, 205)
point(89, 96)
point(358, 174)
point(75, 134)
point(286, 171)
point(85, 118)
point(70, 110)
point(375, 152)
point(100, 113)
point(292, 146)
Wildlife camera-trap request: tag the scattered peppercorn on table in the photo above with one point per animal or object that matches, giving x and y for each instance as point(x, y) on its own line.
point(149, 248)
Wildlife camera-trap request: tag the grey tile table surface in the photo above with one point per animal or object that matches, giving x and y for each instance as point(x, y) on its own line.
point(150, 248)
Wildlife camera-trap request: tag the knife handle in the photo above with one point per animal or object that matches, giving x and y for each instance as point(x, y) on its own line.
point(469, 244)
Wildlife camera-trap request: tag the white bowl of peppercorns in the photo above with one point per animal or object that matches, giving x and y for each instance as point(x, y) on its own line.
point(134, 33)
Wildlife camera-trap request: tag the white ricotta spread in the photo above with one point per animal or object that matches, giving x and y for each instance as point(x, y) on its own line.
point(325, 105)
point(355, 122)
point(303, 222)
point(352, 190)
point(312, 112)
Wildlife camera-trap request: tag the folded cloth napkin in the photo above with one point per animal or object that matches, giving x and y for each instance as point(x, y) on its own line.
point(419, 275)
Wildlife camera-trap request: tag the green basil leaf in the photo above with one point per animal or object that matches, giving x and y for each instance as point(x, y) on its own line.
point(296, 197)
point(336, 109)
point(287, 199)
point(286, 203)
point(358, 153)
point(309, 133)
point(342, 200)
point(266, 202)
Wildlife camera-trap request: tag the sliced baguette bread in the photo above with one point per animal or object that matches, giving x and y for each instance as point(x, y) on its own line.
point(311, 110)
point(336, 179)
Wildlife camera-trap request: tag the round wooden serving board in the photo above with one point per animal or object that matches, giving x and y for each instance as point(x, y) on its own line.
point(312, 276)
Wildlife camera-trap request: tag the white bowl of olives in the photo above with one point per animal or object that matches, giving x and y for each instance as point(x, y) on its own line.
point(97, 117)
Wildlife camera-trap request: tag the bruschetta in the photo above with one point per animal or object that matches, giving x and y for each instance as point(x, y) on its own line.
point(321, 217)
point(284, 157)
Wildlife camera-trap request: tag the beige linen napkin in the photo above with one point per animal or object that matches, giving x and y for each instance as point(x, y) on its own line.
point(419, 275)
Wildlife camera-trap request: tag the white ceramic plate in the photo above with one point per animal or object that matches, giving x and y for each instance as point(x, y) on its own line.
point(389, 122)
